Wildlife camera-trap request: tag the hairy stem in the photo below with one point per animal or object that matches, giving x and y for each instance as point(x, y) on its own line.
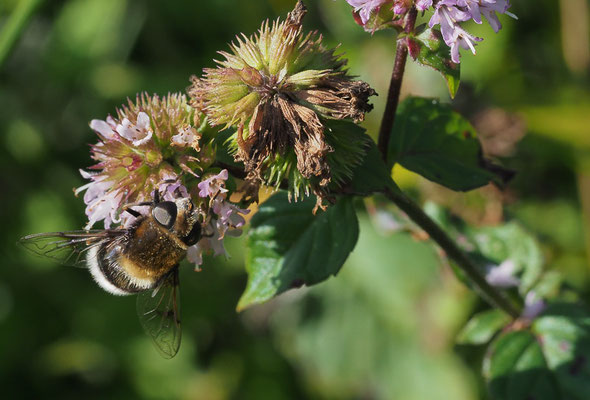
point(488, 292)
point(395, 85)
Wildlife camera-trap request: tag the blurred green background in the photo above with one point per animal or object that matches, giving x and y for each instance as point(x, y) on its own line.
point(384, 329)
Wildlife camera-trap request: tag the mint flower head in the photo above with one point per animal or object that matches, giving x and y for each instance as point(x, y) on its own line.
point(155, 144)
point(281, 90)
point(150, 141)
point(449, 14)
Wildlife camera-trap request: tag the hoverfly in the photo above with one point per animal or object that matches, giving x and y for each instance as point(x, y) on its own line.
point(141, 259)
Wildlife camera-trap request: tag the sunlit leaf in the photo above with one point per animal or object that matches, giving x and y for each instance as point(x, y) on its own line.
point(429, 49)
point(432, 140)
point(511, 243)
point(482, 327)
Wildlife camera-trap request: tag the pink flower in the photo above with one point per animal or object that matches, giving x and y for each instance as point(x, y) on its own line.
point(138, 133)
point(422, 5)
point(225, 218)
point(462, 38)
point(533, 305)
point(213, 185)
point(366, 7)
point(450, 13)
point(502, 275)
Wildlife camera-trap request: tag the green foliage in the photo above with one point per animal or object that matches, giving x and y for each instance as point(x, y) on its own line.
point(288, 246)
point(517, 369)
point(371, 175)
point(374, 327)
point(431, 139)
point(427, 48)
point(384, 328)
point(549, 361)
point(510, 241)
point(490, 246)
point(483, 326)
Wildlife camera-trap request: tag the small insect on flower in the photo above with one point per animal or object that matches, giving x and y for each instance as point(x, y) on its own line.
point(142, 258)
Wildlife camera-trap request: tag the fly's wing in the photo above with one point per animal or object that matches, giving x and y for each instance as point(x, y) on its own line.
point(68, 248)
point(159, 313)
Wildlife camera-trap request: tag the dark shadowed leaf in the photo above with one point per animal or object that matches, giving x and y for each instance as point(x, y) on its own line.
point(482, 327)
point(564, 333)
point(288, 246)
point(371, 175)
point(432, 140)
point(549, 361)
point(516, 369)
point(429, 49)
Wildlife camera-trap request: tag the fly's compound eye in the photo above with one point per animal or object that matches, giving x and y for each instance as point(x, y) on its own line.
point(193, 236)
point(165, 214)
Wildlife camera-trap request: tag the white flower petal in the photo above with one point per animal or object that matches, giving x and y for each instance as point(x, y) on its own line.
point(103, 128)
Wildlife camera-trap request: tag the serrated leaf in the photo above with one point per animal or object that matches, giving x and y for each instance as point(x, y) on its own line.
point(549, 361)
point(517, 370)
point(288, 246)
point(434, 141)
point(564, 333)
point(428, 48)
point(482, 327)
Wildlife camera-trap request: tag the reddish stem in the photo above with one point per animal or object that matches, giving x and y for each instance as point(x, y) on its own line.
point(395, 85)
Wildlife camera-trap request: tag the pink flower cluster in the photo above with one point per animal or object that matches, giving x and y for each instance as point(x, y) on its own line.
point(447, 13)
point(121, 174)
point(152, 145)
point(450, 13)
point(224, 218)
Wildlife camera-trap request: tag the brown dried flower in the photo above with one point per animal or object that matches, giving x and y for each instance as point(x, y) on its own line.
point(282, 90)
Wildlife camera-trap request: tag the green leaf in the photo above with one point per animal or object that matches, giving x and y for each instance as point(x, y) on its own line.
point(288, 246)
point(564, 332)
point(516, 369)
point(429, 49)
point(371, 175)
point(482, 326)
point(490, 246)
point(432, 140)
point(549, 361)
point(510, 242)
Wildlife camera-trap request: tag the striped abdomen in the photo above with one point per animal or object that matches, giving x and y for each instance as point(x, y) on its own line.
point(136, 261)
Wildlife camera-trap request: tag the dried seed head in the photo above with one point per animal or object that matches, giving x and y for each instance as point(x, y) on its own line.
point(280, 90)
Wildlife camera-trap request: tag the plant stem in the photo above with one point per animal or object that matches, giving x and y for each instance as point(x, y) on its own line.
point(395, 85)
point(413, 211)
point(437, 234)
point(15, 25)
